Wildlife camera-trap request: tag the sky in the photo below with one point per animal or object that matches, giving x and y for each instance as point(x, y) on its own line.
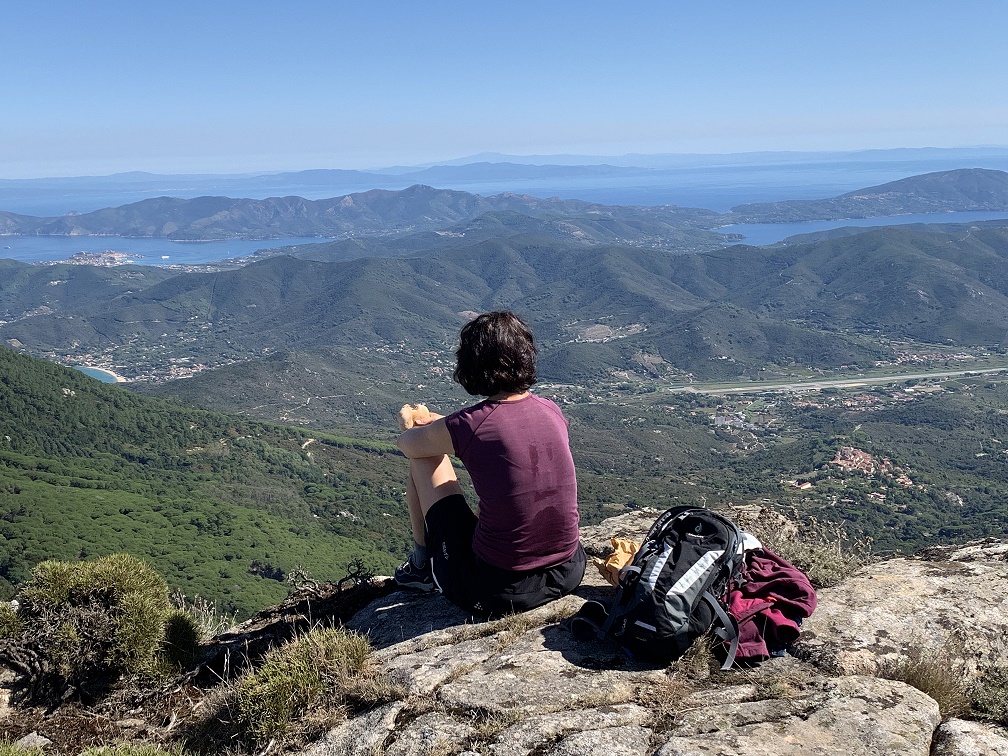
point(217, 86)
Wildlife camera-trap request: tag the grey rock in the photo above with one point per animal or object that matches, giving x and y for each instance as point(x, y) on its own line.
point(405, 615)
point(534, 733)
point(429, 734)
point(625, 741)
point(424, 671)
point(8, 687)
point(985, 550)
point(32, 741)
point(633, 525)
point(957, 737)
point(898, 606)
point(362, 736)
point(855, 716)
point(542, 671)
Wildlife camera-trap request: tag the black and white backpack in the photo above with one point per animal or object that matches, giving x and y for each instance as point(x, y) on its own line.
point(674, 590)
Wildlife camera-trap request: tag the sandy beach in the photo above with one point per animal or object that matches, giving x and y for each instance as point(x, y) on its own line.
point(101, 374)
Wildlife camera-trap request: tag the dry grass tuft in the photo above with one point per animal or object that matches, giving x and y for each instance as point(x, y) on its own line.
point(936, 671)
point(8, 748)
point(133, 749)
point(825, 551)
point(205, 615)
point(688, 673)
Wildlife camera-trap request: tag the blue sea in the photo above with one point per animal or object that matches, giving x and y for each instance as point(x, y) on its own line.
point(714, 187)
point(102, 375)
point(761, 234)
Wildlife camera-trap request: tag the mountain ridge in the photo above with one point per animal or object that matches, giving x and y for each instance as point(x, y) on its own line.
point(711, 314)
point(424, 208)
point(376, 211)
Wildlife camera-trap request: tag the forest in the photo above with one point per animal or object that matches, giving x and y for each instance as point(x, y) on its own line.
point(228, 508)
point(88, 468)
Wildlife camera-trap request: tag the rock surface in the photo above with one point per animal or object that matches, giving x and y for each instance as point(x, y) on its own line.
point(951, 603)
point(956, 737)
point(523, 685)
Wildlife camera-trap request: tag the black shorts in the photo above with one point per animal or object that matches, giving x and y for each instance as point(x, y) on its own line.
point(472, 584)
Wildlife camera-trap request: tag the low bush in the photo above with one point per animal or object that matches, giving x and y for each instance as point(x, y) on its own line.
point(181, 642)
point(10, 624)
point(989, 697)
point(89, 623)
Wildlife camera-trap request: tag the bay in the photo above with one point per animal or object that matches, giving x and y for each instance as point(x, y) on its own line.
point(762, 234)
point(102, 375)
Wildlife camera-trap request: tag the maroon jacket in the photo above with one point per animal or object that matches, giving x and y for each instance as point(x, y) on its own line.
point(769, 603)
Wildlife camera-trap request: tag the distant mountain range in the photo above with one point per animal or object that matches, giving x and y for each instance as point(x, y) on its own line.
point(951, 155)
point(598, 309)
point(646, 293)
point(423, 208)
point(376, 212)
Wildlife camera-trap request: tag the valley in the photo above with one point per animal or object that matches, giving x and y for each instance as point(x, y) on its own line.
point(859, 379)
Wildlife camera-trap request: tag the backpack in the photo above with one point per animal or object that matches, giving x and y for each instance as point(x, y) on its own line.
point(673, 591)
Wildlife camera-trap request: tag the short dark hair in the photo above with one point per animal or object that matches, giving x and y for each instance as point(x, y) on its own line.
point(496, 353)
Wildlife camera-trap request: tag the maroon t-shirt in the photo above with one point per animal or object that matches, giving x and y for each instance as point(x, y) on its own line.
point(518, 456)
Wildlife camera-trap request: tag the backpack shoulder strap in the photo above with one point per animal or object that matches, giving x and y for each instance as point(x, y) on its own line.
point(728, 632)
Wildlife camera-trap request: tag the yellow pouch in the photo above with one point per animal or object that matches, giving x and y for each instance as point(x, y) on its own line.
point(623, 553)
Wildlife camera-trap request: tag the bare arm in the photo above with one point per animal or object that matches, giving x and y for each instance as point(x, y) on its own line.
point(431, 440)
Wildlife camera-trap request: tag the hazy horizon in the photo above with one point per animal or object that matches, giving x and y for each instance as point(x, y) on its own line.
point(225, 88)
point(642, 161)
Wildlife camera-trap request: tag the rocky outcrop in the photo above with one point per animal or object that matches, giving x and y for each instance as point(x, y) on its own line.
point(950, 602)
point(523, 685)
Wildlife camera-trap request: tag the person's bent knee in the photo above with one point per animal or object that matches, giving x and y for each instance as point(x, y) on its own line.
point(434, 479)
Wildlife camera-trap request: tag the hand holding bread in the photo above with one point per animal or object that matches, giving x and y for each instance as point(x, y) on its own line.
point(414, 414)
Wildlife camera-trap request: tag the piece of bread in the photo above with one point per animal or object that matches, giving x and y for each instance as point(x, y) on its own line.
point(413, 414)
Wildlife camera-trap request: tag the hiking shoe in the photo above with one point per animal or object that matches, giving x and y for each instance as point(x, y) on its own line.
point(408, 575)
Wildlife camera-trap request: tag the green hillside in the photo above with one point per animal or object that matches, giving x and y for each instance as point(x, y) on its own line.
point(219, 505)
point(596, 309)
point(943, 191)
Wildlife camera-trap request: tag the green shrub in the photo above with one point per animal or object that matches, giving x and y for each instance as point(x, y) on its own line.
point(181, 641)
point(10, 624)
point(93, 621)
point(319, 667)
point(989, 697)
point(8, 748)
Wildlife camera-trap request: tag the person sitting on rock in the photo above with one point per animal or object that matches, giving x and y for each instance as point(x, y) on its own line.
point(523, 550)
